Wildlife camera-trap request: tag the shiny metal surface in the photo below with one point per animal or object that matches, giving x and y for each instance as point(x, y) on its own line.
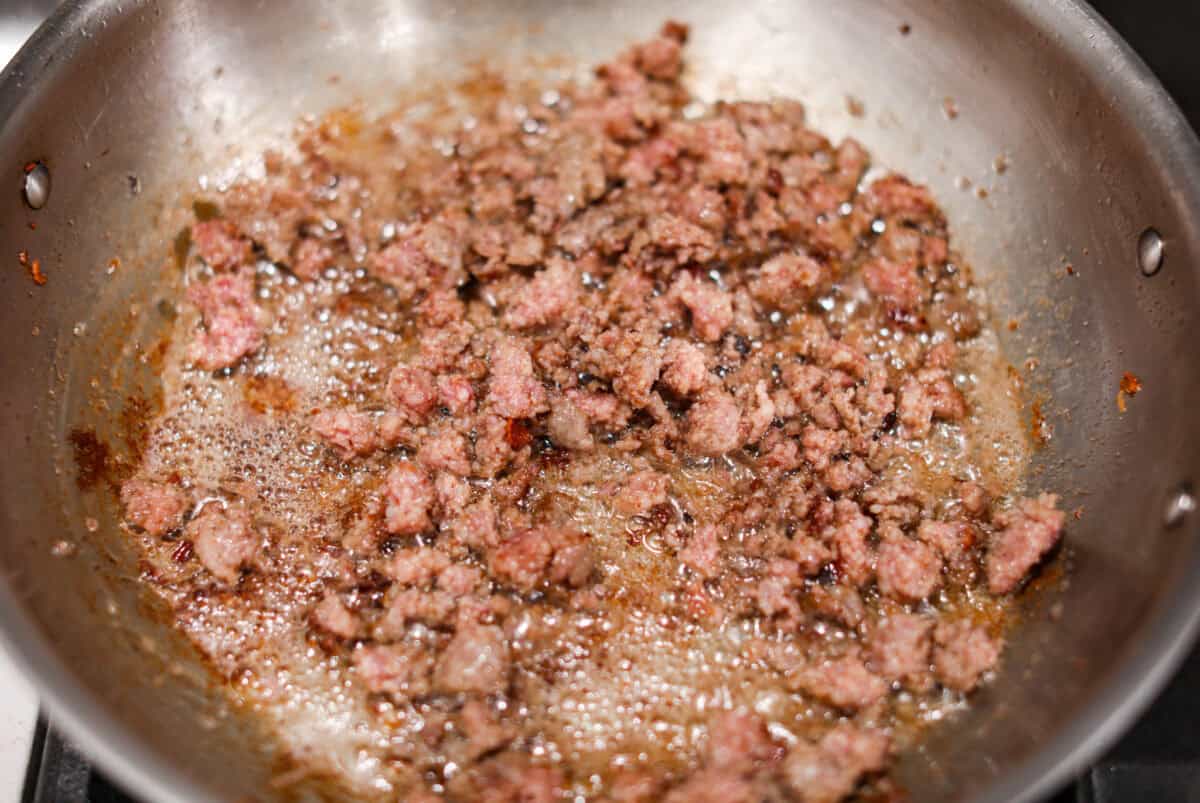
point(1151, 251)
point(19, 19)
point(37, 185)
point(1181, 505)
point(118, 95)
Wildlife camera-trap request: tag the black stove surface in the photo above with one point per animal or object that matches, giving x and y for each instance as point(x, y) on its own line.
point(1158, 759)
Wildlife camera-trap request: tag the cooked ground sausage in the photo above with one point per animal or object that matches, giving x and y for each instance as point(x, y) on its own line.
point(612, 418)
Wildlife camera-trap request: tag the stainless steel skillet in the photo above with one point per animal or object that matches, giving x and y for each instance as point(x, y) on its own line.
point(128, 103)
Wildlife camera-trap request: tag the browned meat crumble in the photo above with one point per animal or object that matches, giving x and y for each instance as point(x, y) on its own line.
point(588, 444)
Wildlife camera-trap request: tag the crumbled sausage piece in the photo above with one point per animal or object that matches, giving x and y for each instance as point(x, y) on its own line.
point(453, 493)
point(331, 616)
point(775, 594)
point(711, 307)
point(900, 647)
point(759, 412)
point(844, 476)
point(684, 368)
point(514, 391)
point(547, 297)
point(830, 770)
point(896, 282)
point(476, 526)
point(722, 151)
point(418, 566)
point(705, 207)
point(394, 429)
point(476, 660)
point(738, 740)
point(633, 786)
point(426, 256)
point(410, 495)
point(929, 395)
point(413, 391)
point(459, 580)
point(1028, 531)
point(855, 558)
point(687, 241)
point(642, 491)
point(703, 551)
point(156, 507)
point(521, 559)
point(530, 557)
point(456, 394)
point(446, 450)
point(510, 778)
point(220, 244)
point(778, 454)
point(713, 424)
point(604, 409)
point(397, 669)
point(844, 683)
point(224, 541)
point(442, 307)
point(809, 554)
point(822, 445)
point(568, 426)
point(310, 257)
point(720, 786)
point(637, 375)
point(895, 196)
point(788, 282)
point(951, 539)
point(974, 499)
point(962, 653)
point(493, 447)
point(349, 431)
point(660, 57)
point(644, 161)
point(484, 733)
point(906, 568)
point(409, 605)
point(232, 320)
point(840, 603)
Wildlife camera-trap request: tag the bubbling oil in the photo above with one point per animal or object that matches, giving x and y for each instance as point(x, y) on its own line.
point(625, 682)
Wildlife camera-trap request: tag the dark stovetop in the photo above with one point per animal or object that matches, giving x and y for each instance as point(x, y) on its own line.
point(1158, 760)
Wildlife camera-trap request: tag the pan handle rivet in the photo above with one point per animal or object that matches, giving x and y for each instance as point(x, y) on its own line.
point(1150, 252)
point(37, 185)
point(1181, 505)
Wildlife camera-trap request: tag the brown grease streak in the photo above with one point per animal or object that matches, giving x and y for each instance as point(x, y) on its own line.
point(93, 460)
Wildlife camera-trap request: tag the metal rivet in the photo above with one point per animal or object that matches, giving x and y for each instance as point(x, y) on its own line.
point(1150, 252)
point(1181, 505)
point(37, 186)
